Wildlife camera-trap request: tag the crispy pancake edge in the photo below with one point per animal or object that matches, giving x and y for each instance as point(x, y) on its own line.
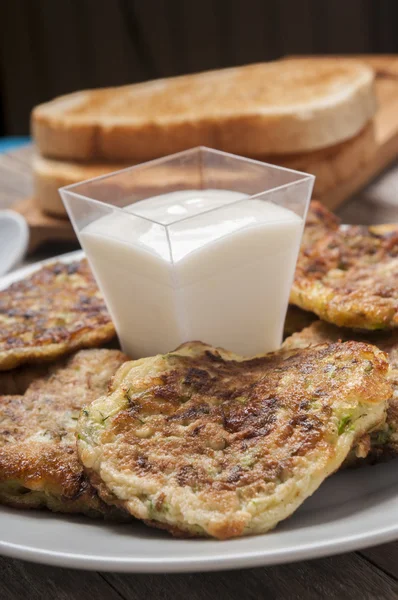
point(39, 466)
point(382, 445)
point(102, 449)
point(349, 277)
point(58, 310)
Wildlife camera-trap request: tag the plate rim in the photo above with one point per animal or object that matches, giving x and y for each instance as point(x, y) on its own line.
point(165, 565)
point(214, 562)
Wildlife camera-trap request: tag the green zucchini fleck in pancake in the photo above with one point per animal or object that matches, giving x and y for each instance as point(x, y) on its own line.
point(202, 442)
point(39, 466)
point(382, 444)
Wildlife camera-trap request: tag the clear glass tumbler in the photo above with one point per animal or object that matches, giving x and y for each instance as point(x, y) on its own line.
point(213, 260)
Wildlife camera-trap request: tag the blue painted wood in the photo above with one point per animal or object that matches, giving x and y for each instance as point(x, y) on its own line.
point(11, 143)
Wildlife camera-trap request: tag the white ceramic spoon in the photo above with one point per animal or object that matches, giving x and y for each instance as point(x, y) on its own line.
point(14, 238)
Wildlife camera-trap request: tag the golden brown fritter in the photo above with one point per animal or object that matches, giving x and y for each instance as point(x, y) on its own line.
point(56, 310)
point(39, 466)
point(202, 442)
point(320, 221)
point(383, 444)
point(349, 277)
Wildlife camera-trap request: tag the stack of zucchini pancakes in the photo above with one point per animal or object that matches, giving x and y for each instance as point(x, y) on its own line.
point(201, 441)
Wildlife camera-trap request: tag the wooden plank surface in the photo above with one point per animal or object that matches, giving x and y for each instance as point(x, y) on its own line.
point(384, 557)
point(336, 578)
point(15, 179)
point(43, 228)
point(369, 574)
point(349, 576)
point(21, 580)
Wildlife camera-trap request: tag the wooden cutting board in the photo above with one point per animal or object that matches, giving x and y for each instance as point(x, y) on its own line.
point(385, 129)
point(45, 228)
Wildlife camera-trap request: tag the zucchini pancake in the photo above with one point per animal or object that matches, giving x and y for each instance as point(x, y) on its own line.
point(202, 442)
point(319, 222)
point(382, 444)
point(56, 310)
point(349, 277)
point(39, 466)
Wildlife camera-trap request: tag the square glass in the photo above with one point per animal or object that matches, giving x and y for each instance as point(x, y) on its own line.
point(213, 260)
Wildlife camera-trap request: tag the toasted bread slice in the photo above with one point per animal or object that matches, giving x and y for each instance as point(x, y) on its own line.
point(49, 175)
point(279, 107)
point(335, 164)
point(330, 166)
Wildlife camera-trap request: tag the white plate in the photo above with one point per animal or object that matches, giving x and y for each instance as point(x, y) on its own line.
point(14, 238)
point(351, 510)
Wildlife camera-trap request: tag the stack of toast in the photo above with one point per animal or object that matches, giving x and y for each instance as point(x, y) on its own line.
point(313, 115)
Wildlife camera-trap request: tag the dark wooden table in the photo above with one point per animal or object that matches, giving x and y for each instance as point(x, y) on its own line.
point(368, 574)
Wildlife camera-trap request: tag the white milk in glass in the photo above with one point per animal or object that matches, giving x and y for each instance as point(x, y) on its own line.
point(208, 265)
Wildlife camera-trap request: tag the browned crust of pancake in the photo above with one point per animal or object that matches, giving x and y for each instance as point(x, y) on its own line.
point(319, 222)
point(201, 420)
point(53, 312)
point(321, 332)
point(39, 465)
point(349, 277)
point(382, 445)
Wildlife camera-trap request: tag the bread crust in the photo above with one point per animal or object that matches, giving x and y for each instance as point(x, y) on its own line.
point(50, 175)
point(330, 166)
point(335, 164)
point(299, 105)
